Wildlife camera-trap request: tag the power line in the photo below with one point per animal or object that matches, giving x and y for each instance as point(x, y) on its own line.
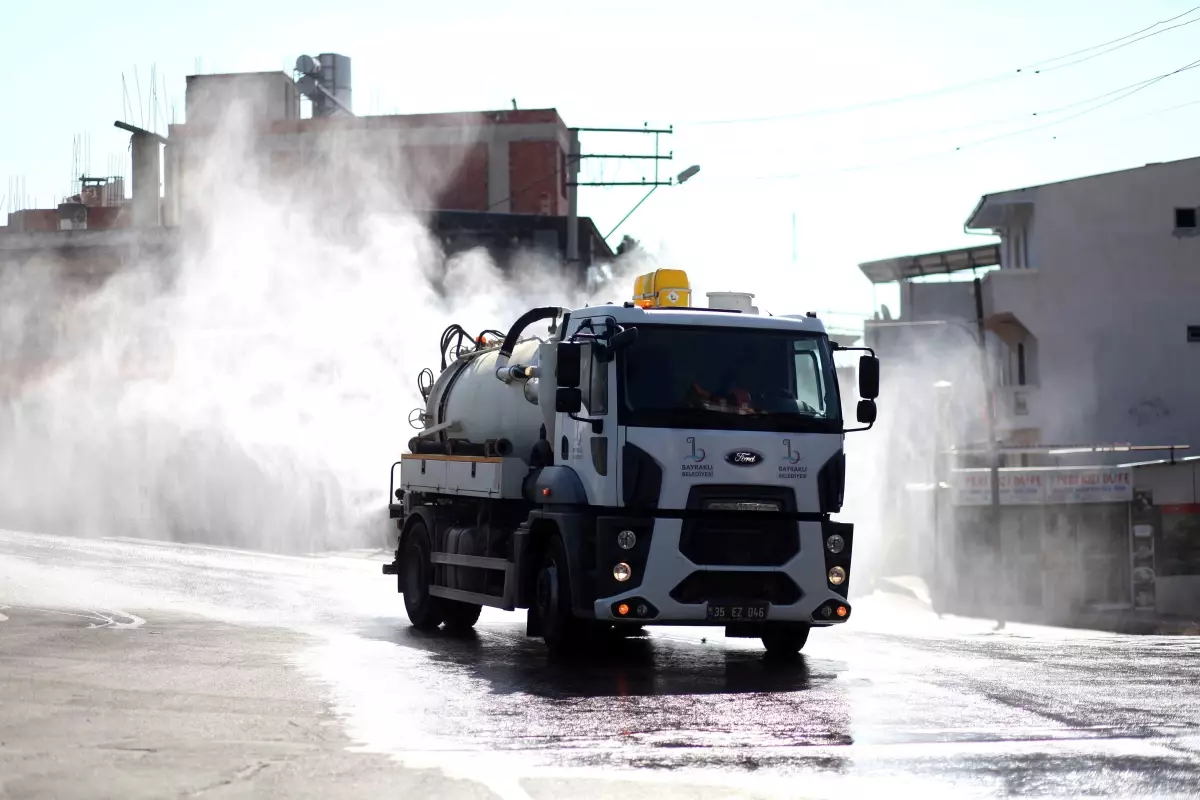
point(1115, 41)
point(1133, 89)
point(1118, 47)
point(959, 87)
point(931, 156)
point(1045, 113)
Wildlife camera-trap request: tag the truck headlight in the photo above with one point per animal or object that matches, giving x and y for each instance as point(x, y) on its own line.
point(626, 540)
point(835, 543)
point(837, 576)
point(622, 572)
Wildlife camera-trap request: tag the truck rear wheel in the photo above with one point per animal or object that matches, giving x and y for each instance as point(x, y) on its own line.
point(785, 642)
point(460, 617)
point(425, 611)
point(560, 629)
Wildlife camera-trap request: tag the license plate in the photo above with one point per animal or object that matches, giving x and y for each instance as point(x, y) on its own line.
point(737, 612)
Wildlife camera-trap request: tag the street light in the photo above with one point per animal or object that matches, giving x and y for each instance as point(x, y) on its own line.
point(680, 179)
point(687, 173)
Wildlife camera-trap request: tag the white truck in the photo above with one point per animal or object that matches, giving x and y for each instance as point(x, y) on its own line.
point(643, 464)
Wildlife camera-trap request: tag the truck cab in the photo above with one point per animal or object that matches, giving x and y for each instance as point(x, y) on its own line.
point(688, 466)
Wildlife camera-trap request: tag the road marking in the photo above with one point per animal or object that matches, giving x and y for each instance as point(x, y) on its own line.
point(100, 619)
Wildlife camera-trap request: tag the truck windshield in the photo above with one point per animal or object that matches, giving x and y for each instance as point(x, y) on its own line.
point(729, 378)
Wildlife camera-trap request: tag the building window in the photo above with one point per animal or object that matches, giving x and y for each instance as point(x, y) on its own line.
point(1021, 364)
point(1185, 219)
point(1193, 334)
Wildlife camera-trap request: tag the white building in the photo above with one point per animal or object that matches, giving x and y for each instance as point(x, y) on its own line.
point(1094, 312)
point(1091, 306)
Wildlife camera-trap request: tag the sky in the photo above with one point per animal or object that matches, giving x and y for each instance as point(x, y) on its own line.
point(828, 133)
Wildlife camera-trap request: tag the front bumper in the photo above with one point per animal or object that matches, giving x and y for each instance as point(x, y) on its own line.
point(676, 590)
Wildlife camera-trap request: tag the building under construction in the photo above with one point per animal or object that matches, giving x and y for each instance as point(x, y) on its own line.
point(501, 180)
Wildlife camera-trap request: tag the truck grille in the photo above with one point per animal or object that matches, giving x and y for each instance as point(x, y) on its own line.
point(747, 543)
point(709, 585)
point(736, 526)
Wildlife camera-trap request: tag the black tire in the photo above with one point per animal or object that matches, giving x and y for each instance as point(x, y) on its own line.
point(460, 617)
point(785, 642)
point(425, 611)
point(561, 630)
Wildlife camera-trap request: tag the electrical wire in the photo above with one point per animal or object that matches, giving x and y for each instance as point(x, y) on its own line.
point(1030, 69)
point(1118, 47)
point(1121, 39)
point(1108, 97)
point(1132, 90)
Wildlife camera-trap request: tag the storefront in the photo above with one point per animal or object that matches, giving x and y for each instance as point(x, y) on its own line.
point(1061, 544)
point(1166, 540)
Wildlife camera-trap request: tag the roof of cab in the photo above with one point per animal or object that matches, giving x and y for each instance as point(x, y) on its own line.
point(700, 316)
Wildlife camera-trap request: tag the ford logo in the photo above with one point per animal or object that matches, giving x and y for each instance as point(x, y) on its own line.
point(743, 458)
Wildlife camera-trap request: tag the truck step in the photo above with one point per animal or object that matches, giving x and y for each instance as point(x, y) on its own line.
point(472, 597)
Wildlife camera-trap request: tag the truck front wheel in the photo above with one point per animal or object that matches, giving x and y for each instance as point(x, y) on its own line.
point(552, 594)
point(425, 611)
point(785, 642)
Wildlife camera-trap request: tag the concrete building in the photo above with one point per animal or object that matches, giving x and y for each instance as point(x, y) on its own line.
point(1090, 306)
point(493, 179)
point(1087, 308)
point(511, 161)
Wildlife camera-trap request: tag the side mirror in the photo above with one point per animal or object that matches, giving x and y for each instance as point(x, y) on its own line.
point(623, 339)
point(567, 365)
point(868, 379)
point(568, 400)
point(867, 412)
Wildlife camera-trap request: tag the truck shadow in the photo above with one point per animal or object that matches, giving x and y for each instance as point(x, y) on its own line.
point(615, 667)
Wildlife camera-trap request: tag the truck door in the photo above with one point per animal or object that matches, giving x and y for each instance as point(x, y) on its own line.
point(588, 443)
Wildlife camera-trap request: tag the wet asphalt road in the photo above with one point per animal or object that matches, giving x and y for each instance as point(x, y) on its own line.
point(896, 702)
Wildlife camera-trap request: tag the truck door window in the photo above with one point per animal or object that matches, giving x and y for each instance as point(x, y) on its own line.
point(593, 382)
point(809, 386)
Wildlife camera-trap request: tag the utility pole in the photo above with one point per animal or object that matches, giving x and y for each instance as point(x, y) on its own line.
point(990, 402)
point(985, 373)
point(573, 182)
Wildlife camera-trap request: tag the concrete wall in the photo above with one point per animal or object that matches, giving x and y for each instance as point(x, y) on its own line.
point(264, 96)
point(950, 300)
point(476, 162)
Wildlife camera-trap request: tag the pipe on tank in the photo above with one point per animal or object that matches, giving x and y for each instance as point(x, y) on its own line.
point(503, 371)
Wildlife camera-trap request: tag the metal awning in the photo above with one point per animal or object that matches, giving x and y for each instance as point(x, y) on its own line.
point(948, 261)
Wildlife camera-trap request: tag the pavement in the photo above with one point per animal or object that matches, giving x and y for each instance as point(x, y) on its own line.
point(141, 669)
point(1128, 621)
